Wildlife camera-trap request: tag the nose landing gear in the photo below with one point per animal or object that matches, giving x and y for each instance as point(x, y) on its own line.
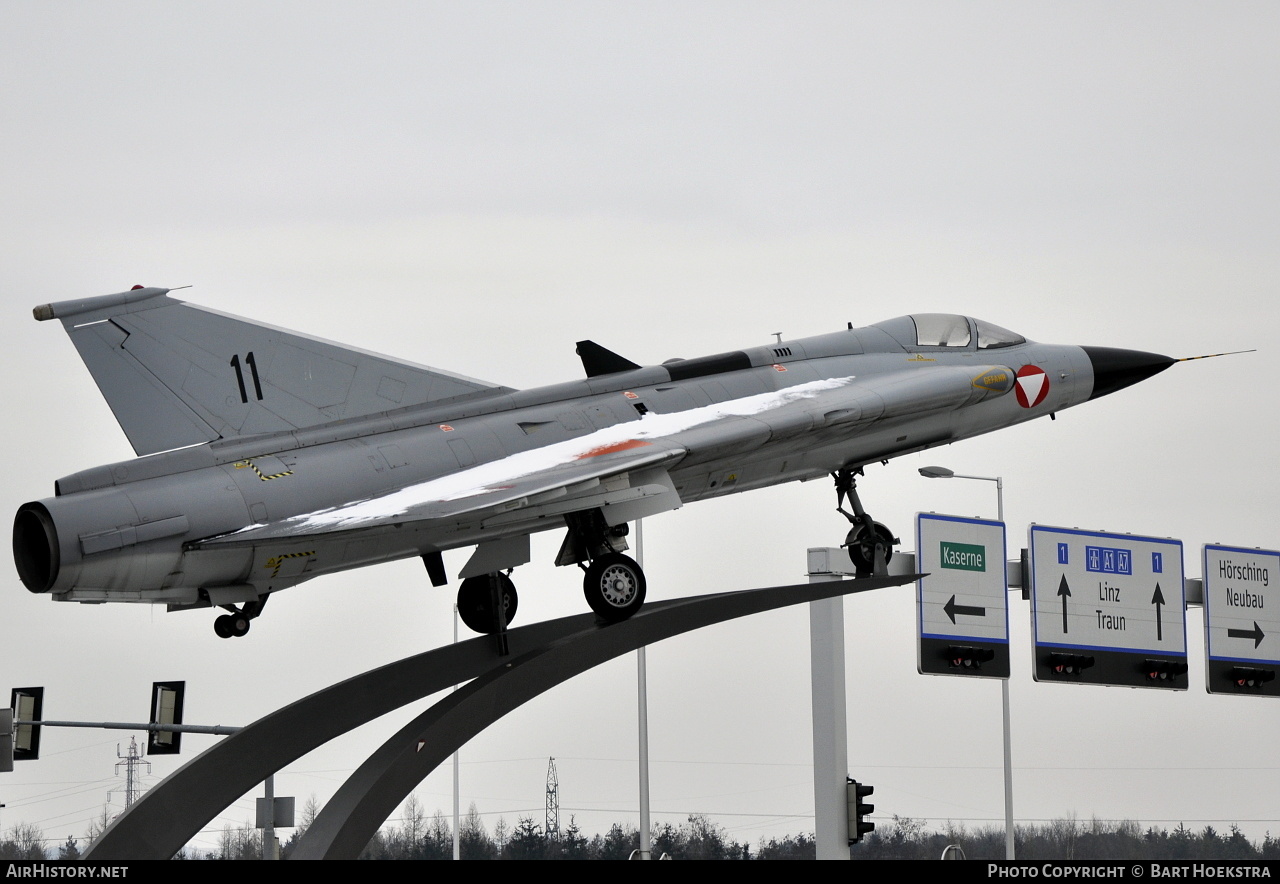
point(870, 544)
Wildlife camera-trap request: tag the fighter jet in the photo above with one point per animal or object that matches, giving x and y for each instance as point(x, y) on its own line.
point(267, 457)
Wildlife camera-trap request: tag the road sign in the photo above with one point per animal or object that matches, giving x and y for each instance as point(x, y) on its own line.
point(1241, 620)
point(962, 609)
point(1108, 608)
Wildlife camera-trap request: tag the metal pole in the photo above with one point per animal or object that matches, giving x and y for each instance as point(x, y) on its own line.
point(1008, 738)
point(942, 472)
point(217, 730)
point(642, 715)
point(1008, 773)
point(457, 833)
point(1004, 699)
point(269, 832)
point(830, 729)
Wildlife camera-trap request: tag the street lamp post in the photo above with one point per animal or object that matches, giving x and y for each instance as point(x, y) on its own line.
point(944, 473)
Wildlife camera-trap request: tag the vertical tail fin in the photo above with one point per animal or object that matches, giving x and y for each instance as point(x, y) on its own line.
point(178, 374)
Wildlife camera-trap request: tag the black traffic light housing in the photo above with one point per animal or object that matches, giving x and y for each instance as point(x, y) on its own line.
point(166, 709)
point(968, 656)
point(1069, 665)
point(1163, 670)
point(1250, 678)
point(858, 826)
point(27, 705)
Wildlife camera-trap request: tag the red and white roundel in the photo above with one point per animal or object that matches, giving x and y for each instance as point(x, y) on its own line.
point(1031, 386)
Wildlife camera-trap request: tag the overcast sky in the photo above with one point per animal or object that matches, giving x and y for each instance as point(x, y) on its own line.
point(478, 186)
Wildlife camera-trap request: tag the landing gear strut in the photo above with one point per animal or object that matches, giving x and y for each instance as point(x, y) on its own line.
point(870, 544)
point(236, 624)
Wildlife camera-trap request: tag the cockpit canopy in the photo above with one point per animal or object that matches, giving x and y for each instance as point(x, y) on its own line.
point(948, 330)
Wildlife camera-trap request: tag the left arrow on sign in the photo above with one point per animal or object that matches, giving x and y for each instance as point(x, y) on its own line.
point(953, 609)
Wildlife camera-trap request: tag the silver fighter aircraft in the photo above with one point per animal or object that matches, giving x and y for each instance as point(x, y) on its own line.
point(267, 457)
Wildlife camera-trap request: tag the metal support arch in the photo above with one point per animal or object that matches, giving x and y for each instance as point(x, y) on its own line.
point(542, 656)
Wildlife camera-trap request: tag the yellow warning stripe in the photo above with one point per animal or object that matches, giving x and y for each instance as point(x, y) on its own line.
point(276, 561)
point(240, 465)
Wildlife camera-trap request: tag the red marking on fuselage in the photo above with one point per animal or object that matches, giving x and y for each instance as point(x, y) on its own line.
point(610, 449)
point(1031, 386)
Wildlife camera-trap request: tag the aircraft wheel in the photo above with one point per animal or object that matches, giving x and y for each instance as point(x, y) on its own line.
point(475, 602)
point(862, 547)
point(614, 586)
point(223, 626)
point(239, 625)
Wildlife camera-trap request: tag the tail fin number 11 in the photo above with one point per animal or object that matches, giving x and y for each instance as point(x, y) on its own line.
point(253, 369)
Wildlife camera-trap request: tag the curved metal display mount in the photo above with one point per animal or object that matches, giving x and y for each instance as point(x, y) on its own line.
point(542, 655)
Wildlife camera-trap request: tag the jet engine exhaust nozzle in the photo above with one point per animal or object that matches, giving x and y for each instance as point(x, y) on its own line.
point(35, 547)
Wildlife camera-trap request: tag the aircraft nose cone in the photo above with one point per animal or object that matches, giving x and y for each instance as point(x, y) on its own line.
point(1114, 368)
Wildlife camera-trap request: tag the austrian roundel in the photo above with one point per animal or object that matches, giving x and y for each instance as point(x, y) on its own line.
point(1032, 386)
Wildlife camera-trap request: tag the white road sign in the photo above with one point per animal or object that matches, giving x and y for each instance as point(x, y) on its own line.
point(1241, 620)
point(962, 605)
point(1108, 608)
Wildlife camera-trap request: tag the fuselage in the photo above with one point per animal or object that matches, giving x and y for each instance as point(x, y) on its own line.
point(139, 530)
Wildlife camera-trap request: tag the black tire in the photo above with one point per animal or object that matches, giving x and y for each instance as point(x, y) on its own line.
point(239, 625)
point(862, 550)
point(223, 627)
point(614, 586)
point(475, 605)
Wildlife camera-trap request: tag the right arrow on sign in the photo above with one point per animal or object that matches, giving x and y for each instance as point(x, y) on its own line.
point(952, 609)
point(1256, 634)
point(1065, 592)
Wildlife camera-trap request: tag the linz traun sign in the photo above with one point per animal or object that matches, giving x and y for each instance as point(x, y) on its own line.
point(1108, 608)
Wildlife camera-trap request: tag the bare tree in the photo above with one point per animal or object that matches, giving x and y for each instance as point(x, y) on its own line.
point(25, 841)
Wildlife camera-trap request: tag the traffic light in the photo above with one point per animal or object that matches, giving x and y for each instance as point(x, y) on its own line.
point(1248, 678)
point(6, 740)
point(27, 705)
point(1069, 665)
point(166, 708)
point(1163, 670)
point(858, 826)
point(968, 657)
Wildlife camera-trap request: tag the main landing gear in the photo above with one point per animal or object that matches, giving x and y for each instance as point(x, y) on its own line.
point(613, 584)
point(481, 598)
point(870, 544)
point(236, 624)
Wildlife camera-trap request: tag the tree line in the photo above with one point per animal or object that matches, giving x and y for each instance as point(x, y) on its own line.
point(419, 836)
